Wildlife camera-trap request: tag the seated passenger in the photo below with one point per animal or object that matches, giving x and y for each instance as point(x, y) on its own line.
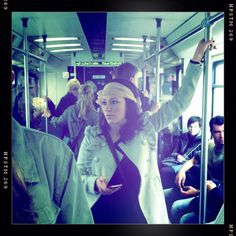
point(70, 98)
point(189, 143)
point(75, 118)
point(187, 210)
point(47, 186)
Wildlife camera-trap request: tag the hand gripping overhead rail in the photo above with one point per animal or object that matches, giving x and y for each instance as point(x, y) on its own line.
point(192, 32)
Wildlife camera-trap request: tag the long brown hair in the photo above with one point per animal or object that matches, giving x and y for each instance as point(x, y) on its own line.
point(132, 125)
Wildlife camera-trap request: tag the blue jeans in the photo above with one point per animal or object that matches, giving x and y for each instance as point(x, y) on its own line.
point(189, 218)
point(181, 213)
point(171, 196)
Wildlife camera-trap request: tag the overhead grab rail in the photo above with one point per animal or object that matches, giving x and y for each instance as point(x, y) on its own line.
point(32, 42)
point(179, 27)
point(29, 54)
point(192, 32)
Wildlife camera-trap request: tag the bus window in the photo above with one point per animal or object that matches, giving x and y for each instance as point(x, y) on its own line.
point(218, 89)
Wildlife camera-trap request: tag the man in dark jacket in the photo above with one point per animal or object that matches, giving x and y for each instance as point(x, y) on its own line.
point(188, 144)
point(70, 98)
point(128, 71)
point(187, 210)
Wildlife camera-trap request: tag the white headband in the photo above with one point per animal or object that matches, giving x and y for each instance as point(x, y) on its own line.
point(115, 89)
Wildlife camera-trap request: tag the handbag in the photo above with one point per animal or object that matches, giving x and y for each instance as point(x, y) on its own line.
point(116, 158)
point(172, 160)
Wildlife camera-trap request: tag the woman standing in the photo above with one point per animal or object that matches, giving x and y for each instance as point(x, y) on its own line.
point(135, 194)
point(75, 118)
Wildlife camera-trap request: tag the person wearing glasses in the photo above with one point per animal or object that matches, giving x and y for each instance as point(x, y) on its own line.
point(70, 98)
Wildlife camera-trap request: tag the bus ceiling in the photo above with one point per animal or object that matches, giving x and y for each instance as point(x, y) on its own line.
point(97, 35)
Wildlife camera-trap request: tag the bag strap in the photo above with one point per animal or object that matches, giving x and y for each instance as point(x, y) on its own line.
point(72, 145)
point(116, 158)
point(114, 154)
point(191, 150)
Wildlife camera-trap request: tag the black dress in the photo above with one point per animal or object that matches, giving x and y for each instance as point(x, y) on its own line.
point(121, 206)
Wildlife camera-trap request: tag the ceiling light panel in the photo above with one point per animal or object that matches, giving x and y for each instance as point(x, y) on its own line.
point(57, 39)
point(132, 39)
point(67, 50)
point(128, 45)
point(127, 49)
point(63, 45)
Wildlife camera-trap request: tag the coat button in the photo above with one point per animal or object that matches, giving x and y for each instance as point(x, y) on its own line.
point(96, 159)
point(144, 141)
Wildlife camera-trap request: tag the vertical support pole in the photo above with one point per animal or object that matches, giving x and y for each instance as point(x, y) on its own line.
point(205, 119)
point(158, 44)
point(84, 74)
point(72, 63)
point(144, 68)
point(74, 55)
point(122, 56)
point(26, 72)
point(45, 78)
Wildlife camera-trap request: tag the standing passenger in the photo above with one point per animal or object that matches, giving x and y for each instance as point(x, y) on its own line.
point(128, 71)
point(47, 186)
point(70, 98)
point(95, 89)
point(138, 195)
point(75, 118)
point(19, 112)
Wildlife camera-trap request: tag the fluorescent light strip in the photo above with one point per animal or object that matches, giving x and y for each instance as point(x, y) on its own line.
point(130, 55)
point(56, 39)
point(128, 45)
point(63, 45)
point(133, 39)
point(67, 50)
point(127, 49)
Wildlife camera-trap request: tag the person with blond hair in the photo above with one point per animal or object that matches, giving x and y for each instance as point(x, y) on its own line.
point(76, 117)
point(70, 98)
point(39, 113)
